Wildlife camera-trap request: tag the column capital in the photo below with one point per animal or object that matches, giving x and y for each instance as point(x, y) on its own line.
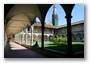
point(68, 16)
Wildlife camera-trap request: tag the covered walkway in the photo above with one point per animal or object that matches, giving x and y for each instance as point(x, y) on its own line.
point(19, 18)
point(14, 50)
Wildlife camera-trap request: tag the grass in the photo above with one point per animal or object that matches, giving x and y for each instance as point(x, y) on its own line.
point(76, 46)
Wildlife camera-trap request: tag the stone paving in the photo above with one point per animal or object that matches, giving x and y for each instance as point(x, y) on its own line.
point(14, 50)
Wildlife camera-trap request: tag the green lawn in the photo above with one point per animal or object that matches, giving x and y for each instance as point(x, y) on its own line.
point(76, 46)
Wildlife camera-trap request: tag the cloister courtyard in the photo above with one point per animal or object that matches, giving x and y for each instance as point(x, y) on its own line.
point(27, 37)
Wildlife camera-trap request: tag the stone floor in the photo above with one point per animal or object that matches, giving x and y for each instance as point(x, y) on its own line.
point(14, 50)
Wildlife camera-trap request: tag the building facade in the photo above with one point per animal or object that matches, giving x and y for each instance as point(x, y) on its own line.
point(51, 29)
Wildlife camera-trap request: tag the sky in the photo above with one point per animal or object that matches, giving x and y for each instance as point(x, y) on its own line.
point(77, 13)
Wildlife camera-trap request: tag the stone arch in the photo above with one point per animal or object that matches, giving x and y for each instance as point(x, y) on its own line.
point(17, 23)
point(73, 37)
point(39, 37)
point(78, 34)
point(24, 8)
point(28, 12)
point(79, 37)
point(50, 37)
point(28, 38)
point(24, 37)
point(45, 37)
point(34, 36)
point(19, 18)
point(37, 19)
point(21, 37)
point(82, 37)
point(16, 36)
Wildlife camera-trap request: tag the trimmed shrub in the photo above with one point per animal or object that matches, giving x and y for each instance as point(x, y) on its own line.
point(59, 40)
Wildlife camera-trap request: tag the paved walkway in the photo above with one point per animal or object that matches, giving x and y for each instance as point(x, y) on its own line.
point(14, 50)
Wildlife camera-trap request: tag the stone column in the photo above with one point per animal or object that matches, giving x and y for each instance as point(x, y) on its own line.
point(48, 38)
point(26, 36)
point(20, 38)
point(32, 35)
point(42, 40)
point(36, 37)
point(69, 35)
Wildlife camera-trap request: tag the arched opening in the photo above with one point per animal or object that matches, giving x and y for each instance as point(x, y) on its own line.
point(79, 37)
point(77, 21)
point(73, 38)
point(28, 39)
point(24, 38)
point(16, 24)
point(45, 37)
point(78, 13)
point(76, 25)
point(39, 38)
point(34, 38)
point(55, 24)
point(36, 30)
point(21, 38)
point(59, 11)
point(50, 37)
point(82, 37)
point(78, 17)
point(37, 20)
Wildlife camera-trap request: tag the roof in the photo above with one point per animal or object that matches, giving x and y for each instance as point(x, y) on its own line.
point(57, 27)
point(49, 23)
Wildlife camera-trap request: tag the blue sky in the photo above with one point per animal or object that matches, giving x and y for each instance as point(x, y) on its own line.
point(77, 13)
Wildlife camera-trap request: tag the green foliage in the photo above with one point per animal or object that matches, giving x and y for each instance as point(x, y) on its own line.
point(59, 40)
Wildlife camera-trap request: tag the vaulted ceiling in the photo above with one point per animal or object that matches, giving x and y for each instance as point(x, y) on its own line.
point(19, 16)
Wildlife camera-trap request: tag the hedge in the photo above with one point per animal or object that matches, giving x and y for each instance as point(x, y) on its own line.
point(58, 40)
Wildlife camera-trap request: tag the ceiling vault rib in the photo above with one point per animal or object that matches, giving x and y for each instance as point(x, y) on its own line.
point(19, 20)
point(15, 27)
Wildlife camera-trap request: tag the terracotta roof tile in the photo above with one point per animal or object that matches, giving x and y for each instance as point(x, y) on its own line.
point(56, 27)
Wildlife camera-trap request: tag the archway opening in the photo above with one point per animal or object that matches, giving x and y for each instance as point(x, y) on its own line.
point(77, 28)
point(55, 25)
